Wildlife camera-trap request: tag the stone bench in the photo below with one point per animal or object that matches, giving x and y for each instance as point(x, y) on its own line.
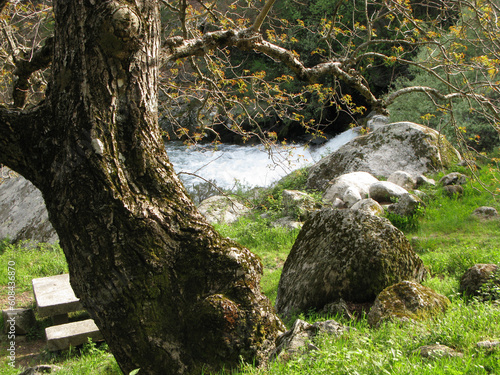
point(63, 336)
point(55, 298)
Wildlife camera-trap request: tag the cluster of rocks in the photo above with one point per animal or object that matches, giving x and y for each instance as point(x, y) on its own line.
point(402, 146)
point(406, 302)
point(347, 252)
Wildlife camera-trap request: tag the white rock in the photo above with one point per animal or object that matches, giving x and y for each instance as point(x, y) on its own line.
point(359, 181)
point(222, 209)
point(385, 191)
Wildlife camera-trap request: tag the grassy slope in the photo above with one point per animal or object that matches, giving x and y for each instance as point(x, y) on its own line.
point(448, 240)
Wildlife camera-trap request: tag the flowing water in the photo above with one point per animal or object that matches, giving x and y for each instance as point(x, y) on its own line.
point(250, 166)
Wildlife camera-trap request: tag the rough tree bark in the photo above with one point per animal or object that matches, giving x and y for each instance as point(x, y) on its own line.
point(170, 295)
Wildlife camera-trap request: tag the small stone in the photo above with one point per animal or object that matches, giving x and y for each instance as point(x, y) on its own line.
point(288, 223)
point(453, 190)
point(488, 344)
point(298, 339)
point(454, 178)
point(351, 196)
point(369, 206)
point(222, 209)
point(407, 205)
point(298, 204)
point(422, 180)
point(485, 212)
point(437, 351)
point(476, 279)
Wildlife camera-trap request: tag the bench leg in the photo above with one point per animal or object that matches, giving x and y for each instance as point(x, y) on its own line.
point(60, 319)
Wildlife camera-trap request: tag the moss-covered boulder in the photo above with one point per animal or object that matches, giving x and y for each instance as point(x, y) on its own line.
point(481, 280)
point(346, 254)
point(402, 146)
point(406, 301)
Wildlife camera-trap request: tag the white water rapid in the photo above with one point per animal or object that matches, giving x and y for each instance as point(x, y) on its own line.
point(250, 166)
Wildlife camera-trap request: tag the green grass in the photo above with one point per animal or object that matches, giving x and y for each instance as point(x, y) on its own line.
point(30, 261)
point(271, 244)
point(390, 349)
point(447, 238)
point(450, 239)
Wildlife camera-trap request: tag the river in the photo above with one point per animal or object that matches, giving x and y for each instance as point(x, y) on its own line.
point(250, 166)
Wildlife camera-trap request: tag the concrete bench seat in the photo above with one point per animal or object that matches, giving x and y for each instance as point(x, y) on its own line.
point(54, 297)
point(63, 336)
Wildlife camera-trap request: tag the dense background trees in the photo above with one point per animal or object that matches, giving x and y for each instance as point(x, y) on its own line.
point(389, 45)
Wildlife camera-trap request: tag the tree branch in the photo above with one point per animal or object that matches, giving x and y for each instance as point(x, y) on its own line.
point(22, 143)
point(262, 15)
point(41, 59)
point(247, 40)
point(3, 3)
point(444, 97)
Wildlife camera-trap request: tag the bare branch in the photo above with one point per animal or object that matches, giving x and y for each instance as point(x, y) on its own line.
point(443, 97)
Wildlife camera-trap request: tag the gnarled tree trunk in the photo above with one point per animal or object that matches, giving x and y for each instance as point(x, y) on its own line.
point(170, 295)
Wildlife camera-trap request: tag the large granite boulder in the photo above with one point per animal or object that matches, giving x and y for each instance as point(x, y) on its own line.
point(23, 215)
point(402, 146)
point(346, 254)
point(406, 301)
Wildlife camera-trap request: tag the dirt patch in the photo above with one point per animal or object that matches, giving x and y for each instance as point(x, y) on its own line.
point(23, 300)
point(29, 353)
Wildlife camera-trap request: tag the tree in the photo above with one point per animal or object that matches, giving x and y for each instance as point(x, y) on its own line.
point(169, 294)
